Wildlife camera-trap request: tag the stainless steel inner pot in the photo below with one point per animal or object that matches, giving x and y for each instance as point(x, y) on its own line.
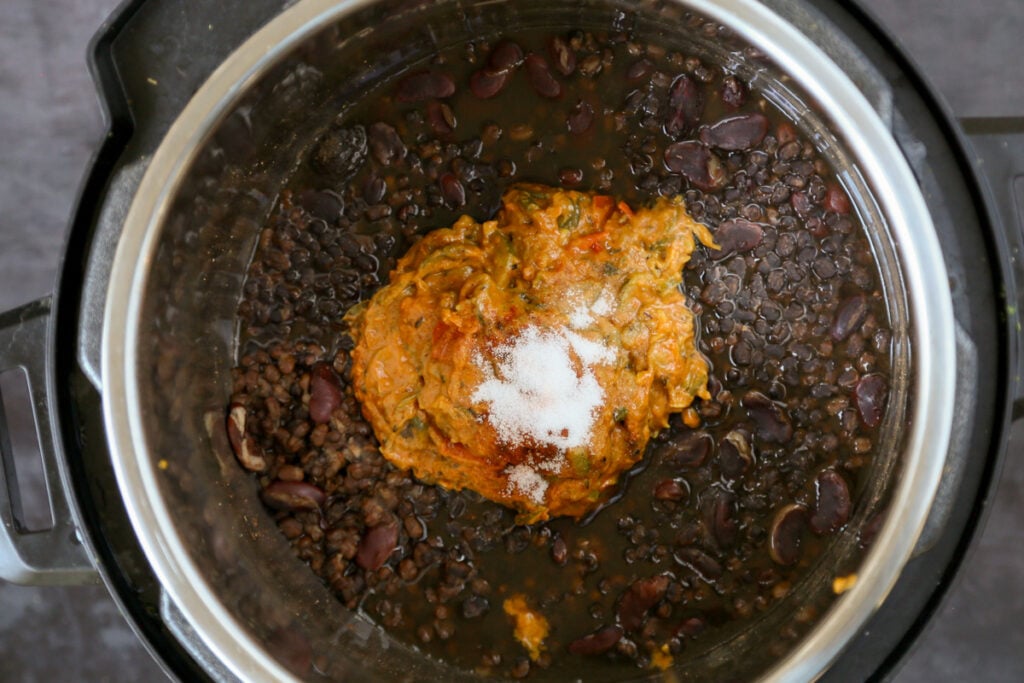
point(169, 330)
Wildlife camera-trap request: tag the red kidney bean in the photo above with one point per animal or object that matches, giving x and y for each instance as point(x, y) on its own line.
point(324, 393)
point(570, 177)
point(831, 503)
point(686, 450)
point(733, 93)
point(374, 189)
point(691, 626)
point(871, 394)
point(506, 56)
point(539, 74)
point(580, 118)
point(772, 422)
point(425, 85)
point(385, 144)
point(801, 203)
point(849, 317)
point(559, 551)
point(441, 117)
point(699, 561)
point(719, 518)
point(735, 133)
point(377, 545)
point(453, 191)
point(246, 449)
point(696, 163)
point(738, 235)
point(734, 457)
point(293, 496)
point(562, 55)
point(786, 535)
point(638, 599)
point(596, 643)
point(870, 530)
point(785, 132)
point(836, 200)
point(475, 606)
point(670, 489)
point(685, 106)
point(485, 84)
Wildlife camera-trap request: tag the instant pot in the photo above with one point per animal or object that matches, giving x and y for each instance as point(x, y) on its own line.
point(128, 392)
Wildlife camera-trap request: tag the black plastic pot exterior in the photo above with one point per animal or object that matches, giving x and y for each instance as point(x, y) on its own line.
point(962, 184)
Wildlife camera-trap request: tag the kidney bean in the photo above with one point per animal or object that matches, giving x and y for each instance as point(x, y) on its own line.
point(696, 163)
point(441, 117)
point(377, 545)
point(786, 535)
point(539, 74)
point(570, 177)
point(719, 518)
point(831, 503)
point(801, 203)
point(580, 118)
point(425, 85)
point(734, 457)
point(506, 56)
point(562, 55)
point(871, 394)
point(598, 642)
point(485, 84)
point(638, 599)
point(686, 450)
point(772, 422)
point(385, 144)
point(246, 449)
point(293, 496)
point(591, 66)
point(475, 606)
point(733, 92)
point(374, 189)
point(836, 200)
point(324, 393)
point(735, 133)
point(738, 235)
point(685, 107)
point(671, 489)
point(559, 551)
point(453, 191)
point(707, 567)
point(691, 626)
point(849, 317)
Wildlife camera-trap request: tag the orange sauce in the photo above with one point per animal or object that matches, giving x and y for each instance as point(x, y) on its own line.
point(531, 357)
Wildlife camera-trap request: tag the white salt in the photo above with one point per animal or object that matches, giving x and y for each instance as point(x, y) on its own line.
point(524, 480)
point(582, 316)
point(535, 393)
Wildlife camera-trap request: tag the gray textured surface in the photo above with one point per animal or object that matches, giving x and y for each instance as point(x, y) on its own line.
point(50, 124)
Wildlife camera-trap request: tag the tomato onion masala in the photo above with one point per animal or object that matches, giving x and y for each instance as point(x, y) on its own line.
point(530, 358)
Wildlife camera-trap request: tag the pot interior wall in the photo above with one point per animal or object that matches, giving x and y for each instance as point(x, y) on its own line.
point(195, 284)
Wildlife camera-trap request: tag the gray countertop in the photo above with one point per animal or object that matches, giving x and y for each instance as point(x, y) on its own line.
point(50, 124)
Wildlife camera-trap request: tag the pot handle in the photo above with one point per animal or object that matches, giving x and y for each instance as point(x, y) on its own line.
point(53, 556)
point(996, 146)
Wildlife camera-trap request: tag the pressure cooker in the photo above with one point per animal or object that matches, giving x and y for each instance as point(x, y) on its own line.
point(139, 334)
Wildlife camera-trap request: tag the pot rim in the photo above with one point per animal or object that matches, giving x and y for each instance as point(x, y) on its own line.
point(870, 141)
